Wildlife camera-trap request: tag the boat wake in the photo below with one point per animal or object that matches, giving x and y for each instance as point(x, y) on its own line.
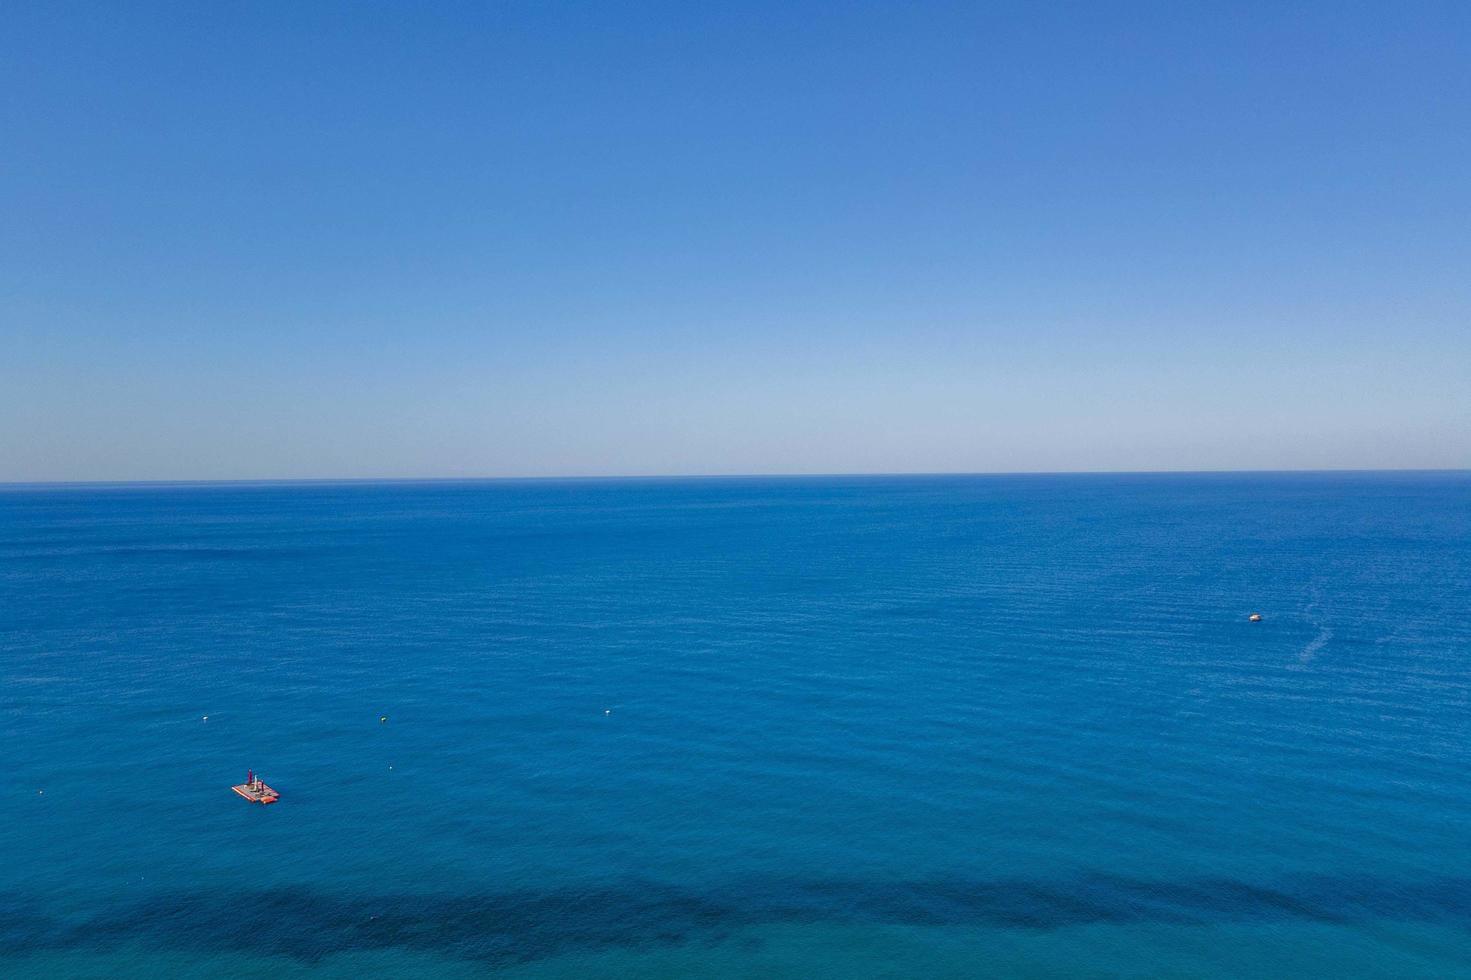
point(1315, 644)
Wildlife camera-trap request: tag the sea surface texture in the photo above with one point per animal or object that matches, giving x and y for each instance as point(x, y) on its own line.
point(838, 727)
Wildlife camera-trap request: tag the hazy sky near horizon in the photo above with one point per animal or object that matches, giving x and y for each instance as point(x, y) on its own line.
point(314, 240)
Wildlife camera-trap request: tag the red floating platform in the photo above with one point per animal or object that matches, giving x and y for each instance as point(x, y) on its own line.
point(255, 790)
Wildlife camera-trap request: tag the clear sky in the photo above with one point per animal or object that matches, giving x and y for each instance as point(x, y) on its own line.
point(308, 240)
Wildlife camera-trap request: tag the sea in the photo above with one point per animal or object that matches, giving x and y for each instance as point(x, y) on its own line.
point(928, 726)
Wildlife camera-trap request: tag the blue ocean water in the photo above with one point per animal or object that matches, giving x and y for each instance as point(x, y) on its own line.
point(927, 726)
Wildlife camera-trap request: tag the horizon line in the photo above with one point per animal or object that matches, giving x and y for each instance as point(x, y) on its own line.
point(631, 477)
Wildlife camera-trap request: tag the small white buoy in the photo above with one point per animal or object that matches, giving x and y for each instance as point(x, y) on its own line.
point(607, 711)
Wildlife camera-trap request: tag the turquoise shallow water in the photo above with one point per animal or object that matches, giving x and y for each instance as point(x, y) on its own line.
point(850, 727)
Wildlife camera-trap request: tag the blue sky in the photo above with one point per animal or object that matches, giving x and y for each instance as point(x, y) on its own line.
point(255, 240)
